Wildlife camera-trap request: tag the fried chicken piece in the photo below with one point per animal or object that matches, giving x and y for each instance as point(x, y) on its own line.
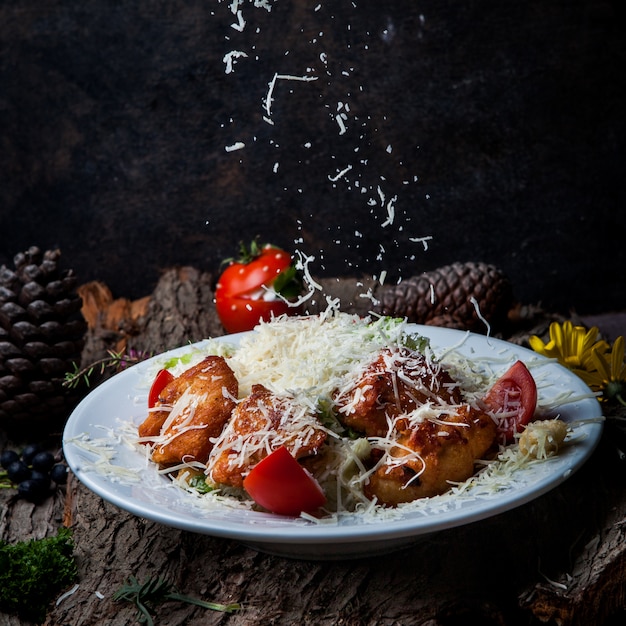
point(197, 404)
point(402, 397)
point(261, 423)
point(394, 383)
point(431, 455)
point(151, 426)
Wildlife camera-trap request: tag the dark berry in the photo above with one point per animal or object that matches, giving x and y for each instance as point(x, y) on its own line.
point(59, 474)
point(42, 478)
point(43, 461)
point(29, 452)
point(8, 457)
point(32, 490)
point(18, 471)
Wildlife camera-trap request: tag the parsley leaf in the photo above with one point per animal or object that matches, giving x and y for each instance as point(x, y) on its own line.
point(33, 572)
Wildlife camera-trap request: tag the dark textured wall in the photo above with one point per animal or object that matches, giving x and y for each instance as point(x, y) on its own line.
point(497, 126)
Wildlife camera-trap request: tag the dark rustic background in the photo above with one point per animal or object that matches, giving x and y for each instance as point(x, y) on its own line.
point(499, 126)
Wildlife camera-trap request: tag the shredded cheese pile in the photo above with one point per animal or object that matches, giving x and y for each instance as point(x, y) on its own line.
point(308, 356)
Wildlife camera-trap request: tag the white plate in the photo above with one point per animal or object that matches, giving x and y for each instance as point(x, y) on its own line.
point(152, 496)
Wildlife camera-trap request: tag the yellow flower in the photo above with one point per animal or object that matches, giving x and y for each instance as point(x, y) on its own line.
point(609, 374)
point(571, 345)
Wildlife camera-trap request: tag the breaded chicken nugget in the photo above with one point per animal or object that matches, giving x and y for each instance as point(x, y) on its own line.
point(428, 457)
point(393, 383)
point(195, 407)
point(261, 423)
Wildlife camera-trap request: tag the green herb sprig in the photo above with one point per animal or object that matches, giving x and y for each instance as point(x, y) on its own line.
point(154, 591)
point(115, 360)
point(200, 484)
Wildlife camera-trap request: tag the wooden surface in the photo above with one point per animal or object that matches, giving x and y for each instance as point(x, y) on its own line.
point(558, 560)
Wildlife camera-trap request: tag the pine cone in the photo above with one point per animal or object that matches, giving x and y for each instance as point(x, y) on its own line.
point(455, 296)
point(41, 336)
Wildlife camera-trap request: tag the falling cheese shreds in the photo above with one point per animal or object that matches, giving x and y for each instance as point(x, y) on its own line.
point(480, 316)
point(241, 23)
point(238, 145)
point(340, 174)
point(258, 4)
point(230, 58)
point(340, 119)
point(269, 97)
point(391, 212)
point(423, 240)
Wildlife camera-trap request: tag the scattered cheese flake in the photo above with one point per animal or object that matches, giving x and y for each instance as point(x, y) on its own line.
point(241, 23)
point(272, 84)
point(230, 59)
point(423, 240)
point(381, 195)
point(391, 212)
point(67, 594)
point(238, 145)
point(340, 174)
point(339, 118)
point(480, 315)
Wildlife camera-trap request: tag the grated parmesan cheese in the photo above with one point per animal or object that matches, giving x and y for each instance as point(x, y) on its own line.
point(238, 145)
point(230, 58)
point(542, 439)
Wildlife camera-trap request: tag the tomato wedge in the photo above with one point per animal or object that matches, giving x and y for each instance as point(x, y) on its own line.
point(162, 378)
point(513, 400)
point(281, 485)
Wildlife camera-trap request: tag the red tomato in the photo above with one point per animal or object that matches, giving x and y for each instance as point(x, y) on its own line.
point(162, 378)
point(513, 400)
point(281, 485)
point(247, 291)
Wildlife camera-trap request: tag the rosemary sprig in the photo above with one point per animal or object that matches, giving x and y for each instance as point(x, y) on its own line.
point(117, 360)
point(153, 591)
